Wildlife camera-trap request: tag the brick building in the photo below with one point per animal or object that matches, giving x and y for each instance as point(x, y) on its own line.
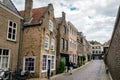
point(39, 40)
point(113, 55)
point(72, 47)
point(80, 46)
point(10, 25)
point(86, 49)
point(106, 47)
point(62, 39)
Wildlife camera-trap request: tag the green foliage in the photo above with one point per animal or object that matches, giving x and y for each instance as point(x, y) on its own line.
point(84, 58)
point(79, 63)
point(89, 58)
point(92, 42)
point(62, 67)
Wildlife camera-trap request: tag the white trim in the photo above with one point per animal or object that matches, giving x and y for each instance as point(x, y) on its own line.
point(47, 62)
point(11, 11)
point(52, 44)
point(12, 29)
point(46, 36)
point(8, 65)
point(50, 25)
point(34, 63)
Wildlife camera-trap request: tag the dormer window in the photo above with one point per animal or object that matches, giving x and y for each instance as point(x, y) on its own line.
point(50, 25)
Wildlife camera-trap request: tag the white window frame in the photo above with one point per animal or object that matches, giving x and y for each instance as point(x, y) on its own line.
point(52, 44)
point(34, 63)
point(53, 62)
point(42, 63)
point(46, 37)
point(50, 25)
point(2, 58)
point(12, 31)
point(49, 57)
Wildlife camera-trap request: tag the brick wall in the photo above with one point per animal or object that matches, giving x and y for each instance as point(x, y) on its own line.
point(113, 56)
point(13, 46)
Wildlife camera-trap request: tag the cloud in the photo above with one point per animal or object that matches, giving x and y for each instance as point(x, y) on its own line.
point(94, 18)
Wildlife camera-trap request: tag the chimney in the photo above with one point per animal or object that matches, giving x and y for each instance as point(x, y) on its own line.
point(63, 15)
point(28, 10)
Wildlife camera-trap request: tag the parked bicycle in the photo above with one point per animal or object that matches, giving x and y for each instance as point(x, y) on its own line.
point(5, 75)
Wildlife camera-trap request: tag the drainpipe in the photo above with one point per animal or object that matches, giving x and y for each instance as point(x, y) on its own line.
point(20, 43)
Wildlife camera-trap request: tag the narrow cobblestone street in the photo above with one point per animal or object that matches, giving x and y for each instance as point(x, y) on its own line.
point(95, 70)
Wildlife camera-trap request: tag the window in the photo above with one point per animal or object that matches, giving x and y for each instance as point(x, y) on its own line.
point(53, 63)
point(12, 31)
point(45, 59)
point(93, 52)
point(50, 25)
point(92, 47)
point(52, 44)
point(62, 43)
point(99, 51)
point(44, 62)
point(29, 64)
point(66, 45)
point(96, 52)
point(64, 31)
point(4, 58)
point(46, 44)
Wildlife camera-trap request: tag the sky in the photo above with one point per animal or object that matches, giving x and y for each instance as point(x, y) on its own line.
point(95, 18)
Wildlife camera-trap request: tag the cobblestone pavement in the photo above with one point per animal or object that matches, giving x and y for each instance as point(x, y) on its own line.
point(95, 70)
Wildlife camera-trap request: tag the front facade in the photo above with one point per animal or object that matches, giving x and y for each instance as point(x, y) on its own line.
point(72, 48)
point(39, 41)
point(96, 50)
point(62, 40)
point(10, 25)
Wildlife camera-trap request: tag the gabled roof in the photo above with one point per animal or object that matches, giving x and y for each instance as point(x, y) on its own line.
point(37, 14)
point(8, 4)
point(96, 43)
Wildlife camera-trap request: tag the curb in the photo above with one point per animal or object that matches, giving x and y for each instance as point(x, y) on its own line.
point(110, 76)
point(58, 75)
point(52, 78)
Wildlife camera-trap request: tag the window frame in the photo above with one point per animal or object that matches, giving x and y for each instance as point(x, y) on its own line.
point(64, 29)
point(63, 43)
point(8, 64)
point(34, 63)
point(52, 44)
point(53, 62)
point(50, 25)
point(11, 39)
point(49, 57)
point(42, 63)
point(46, 48)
